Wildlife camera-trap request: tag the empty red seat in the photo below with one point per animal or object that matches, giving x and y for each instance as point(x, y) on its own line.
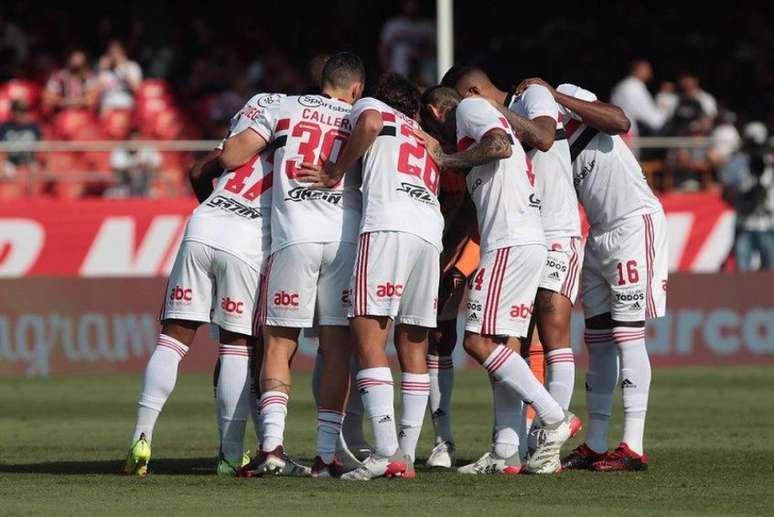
point(69, 123)
point(116, 124)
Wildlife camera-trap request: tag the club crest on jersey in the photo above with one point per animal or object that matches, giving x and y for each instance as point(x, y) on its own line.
point(299, 194)
point(417, 192)
point(269, 99)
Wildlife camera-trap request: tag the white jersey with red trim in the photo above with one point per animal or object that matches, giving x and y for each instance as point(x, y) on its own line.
point(553, 169)
point(503, 191)
point(309, 129)
point(400, 179)
point(236, 217)
point(608, 179)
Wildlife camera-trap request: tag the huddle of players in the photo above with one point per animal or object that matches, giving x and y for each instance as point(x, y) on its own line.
point(327, 215)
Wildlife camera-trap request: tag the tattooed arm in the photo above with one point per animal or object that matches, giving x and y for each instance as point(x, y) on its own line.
point(495, 145)
point(538, 133)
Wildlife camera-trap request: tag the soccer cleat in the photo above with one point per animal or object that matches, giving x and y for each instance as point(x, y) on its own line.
point(348, 459)
point(491, 463)
point(621, 459)
point(271, 462)
point(548, 444)
point(138, 457)
point(294, 468)
point(398, 465)
point(442, 456)
point(581, 458)
point(228, 468)
point(320, 469)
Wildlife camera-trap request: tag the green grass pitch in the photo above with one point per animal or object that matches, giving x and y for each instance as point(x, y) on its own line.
point(710, 438)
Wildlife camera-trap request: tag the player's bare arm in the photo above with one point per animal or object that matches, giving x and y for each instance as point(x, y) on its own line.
point(605, 117)
point(538, 133)
point(203, 172)
point(368, 126)
point(495, 145)
point(239, 148)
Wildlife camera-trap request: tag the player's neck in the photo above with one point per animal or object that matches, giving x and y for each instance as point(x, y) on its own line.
point(338, 93)
point(500, 96)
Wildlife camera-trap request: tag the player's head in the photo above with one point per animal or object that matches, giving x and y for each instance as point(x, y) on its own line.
point(344, 75)
point(438, 112)
point(399, 93)
point(470, 80)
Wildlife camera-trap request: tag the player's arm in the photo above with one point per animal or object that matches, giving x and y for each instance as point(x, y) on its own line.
point(203, 172)
point(369, 125)
point(605, 117)
point(239, 148)
point(538, 132)
point(494, 145)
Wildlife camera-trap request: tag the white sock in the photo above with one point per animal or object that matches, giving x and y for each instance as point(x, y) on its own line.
point(414, 392)
point(158, 383)
point(375, 385)
point(511, 368)
point(507, 419)
point(255, 402)
point(601, 379)
point(328, 431)
point(441, 370)
point(233, 399)
point(560, 375)
point(352, 428)
point(274, 409)
point(635, 375)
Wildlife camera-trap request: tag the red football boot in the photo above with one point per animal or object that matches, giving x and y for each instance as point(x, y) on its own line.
point(581, 458)
point(621, 459)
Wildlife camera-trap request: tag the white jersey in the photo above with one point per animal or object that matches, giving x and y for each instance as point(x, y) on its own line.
point(236, 217)
point(503, 191)
point(553, 170)
point(400, 179)
point(608, 179)
point(309, 129)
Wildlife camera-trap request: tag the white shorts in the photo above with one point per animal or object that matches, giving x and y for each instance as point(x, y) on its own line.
point(308, 283)
point(563, 267)
point(625, 270)
point(211, 286)
point(501, 293)
point(396, 275)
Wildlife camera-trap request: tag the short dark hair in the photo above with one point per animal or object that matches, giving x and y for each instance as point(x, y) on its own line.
point(438, 96)
point(456, 73)
point(342, 70)
point(400, 93)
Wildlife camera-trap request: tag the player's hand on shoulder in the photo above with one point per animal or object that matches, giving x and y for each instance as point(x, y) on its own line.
point(526, 83)
point(432, 145)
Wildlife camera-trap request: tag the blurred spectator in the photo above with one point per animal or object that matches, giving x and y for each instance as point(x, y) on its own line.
point(73, 86)
point(134, 169)
point(632, 95)
point(407, 44)
point(724, 139)
point(748, 180)
point(667, 98)
point(20, 128)
point(226, 104)
point(119, 78)
point(689, 87)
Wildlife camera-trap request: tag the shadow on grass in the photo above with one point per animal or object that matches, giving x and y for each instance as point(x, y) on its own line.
point(169, 466)
point(163, 466)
